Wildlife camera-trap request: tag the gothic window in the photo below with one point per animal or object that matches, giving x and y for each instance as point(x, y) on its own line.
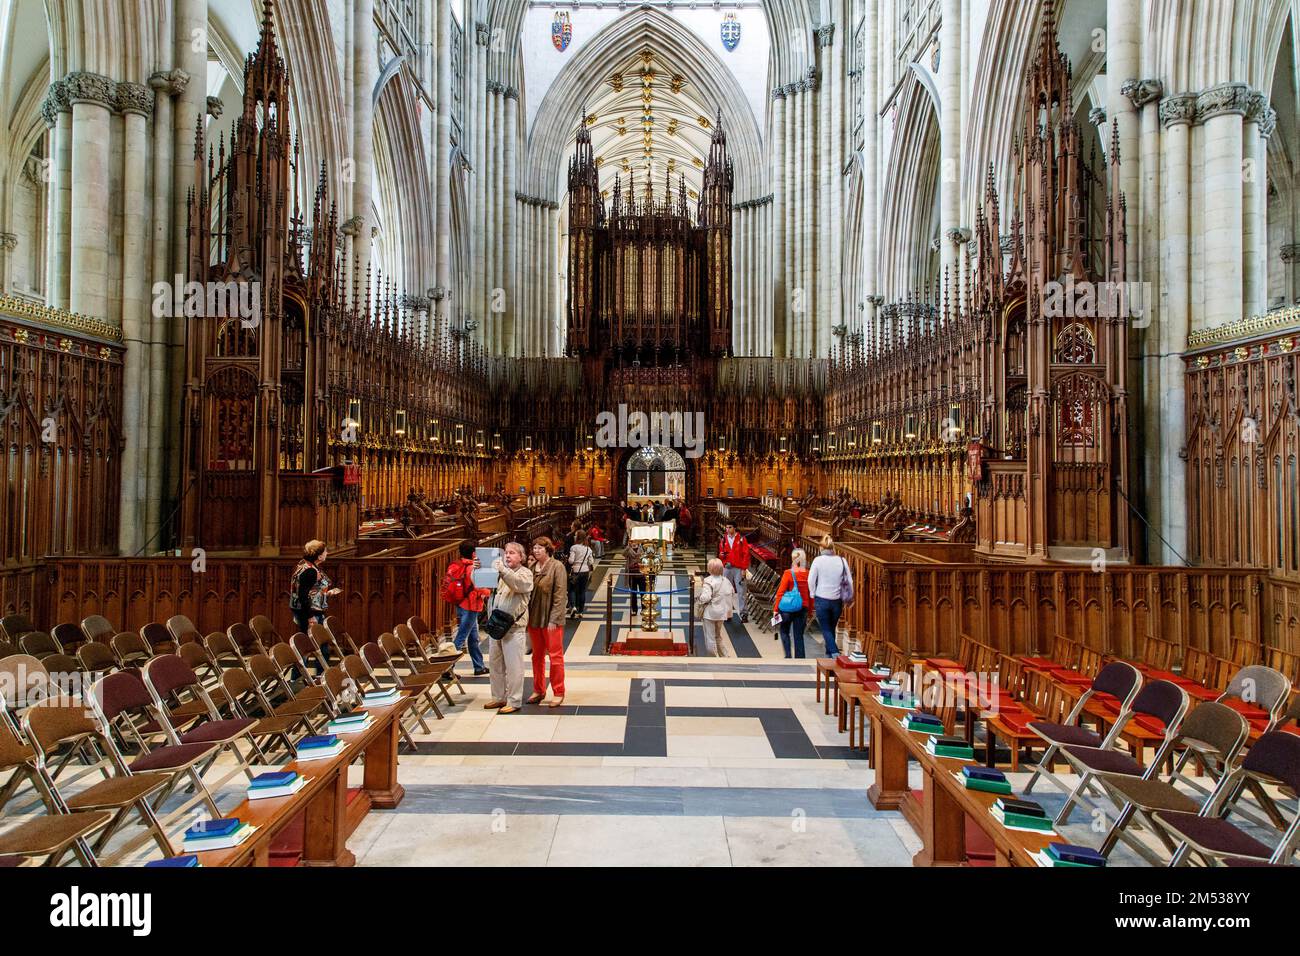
point(1076, 345)
point(234, 417)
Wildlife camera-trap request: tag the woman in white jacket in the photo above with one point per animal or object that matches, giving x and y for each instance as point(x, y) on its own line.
point(717, 602)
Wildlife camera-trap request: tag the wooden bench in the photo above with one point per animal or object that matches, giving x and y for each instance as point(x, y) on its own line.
point(329, 816)
point(940, 816)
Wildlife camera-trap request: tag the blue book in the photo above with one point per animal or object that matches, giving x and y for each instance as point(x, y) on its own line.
point(316, 743)
point(274, 778)
point(184, 860)
point(213, 828)
point(916, 717)
point(1082, 855)
point(983, 773)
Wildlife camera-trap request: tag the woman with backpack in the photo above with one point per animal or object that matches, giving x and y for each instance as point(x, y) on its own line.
point(793, 600)
point(581, 562)
point(458, 590)
point(831, 584)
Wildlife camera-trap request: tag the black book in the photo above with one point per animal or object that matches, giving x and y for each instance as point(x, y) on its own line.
point(1025, 808)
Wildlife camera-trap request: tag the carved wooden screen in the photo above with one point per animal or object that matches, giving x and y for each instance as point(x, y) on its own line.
point(1243, 456)
point(60, 446)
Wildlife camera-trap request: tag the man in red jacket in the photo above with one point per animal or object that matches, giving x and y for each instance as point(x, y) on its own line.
point(733, 549)
point(467, 609)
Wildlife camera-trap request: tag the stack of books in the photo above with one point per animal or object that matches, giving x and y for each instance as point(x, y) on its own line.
point(277, 783)
point(881, 670)
point(184, 860)
point(318, 748)
point(955, 747)
point(919, 723)
point(351, 723)
point(217, 834)
point(988, 779)
point(380, 698)
point(1021, 815)
point(858, 657)
point(1065, 855)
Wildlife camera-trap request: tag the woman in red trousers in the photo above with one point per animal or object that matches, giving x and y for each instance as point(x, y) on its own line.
point(546, 611)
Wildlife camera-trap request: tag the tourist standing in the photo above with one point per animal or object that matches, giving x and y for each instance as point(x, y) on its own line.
point(733, 549)
point(793, 621)
point(507, 655)
point(581, 562)
point(310, 587)
point(546, 611)
point(634, 579)
point(716, 600)
point(458, 589)
point(831, 584)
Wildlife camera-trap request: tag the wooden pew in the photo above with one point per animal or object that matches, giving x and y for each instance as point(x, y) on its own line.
point(329, 818)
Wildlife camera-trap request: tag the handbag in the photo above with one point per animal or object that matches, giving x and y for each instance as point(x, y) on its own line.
point(791, 601)
point(499, 623)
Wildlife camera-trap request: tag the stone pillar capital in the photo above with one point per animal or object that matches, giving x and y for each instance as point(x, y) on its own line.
point(826, 35)
point(1291, 252)
point(170, 83)
point(215, 107)
point(1142, 92)
point(55, 102)
point(93, 88)
point(1179, 108)
point(135, 98)
point(8, 241)
point(1097, 116)
point(1224, 99)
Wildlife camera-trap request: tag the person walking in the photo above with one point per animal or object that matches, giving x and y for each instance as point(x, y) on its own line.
point(582, 560)
point(634, 580)
point(794, 582)
point(506, 656)
point(458, 590)
point(831, 584)
point(310, 587)
point(546, 611)
point(733, 549)
point(716, 603)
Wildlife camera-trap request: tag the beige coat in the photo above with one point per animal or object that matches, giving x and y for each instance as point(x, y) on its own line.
point(717, 598)
point(513, 593)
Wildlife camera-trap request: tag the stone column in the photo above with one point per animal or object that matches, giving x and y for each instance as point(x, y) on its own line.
point(1123, 62)
point(1167, 429)
point(1221, 109)
point(780, 292)
point(442, 160)
point(365, 69)
point(92, 97)
point(57, 114)
point(949, 133)
point(510, 278)
point(1260, 122)
point(136, 102)
point(870, 160)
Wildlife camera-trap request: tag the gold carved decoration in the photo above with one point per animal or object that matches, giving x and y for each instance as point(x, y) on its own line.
point(73, 322)
point(1246, 328)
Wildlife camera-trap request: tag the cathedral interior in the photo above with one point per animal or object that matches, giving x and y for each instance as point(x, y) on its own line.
point(995, 304)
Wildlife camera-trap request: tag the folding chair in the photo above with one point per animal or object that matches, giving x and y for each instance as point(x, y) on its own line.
point(224, 652)
point(430, 674)
point(24, 681)
point(1118, 680)
point(443, 666)
point(14, 626)
point(16, 759)
point(182, 630)
point(247, 700)
point(345, 642)
point(272, 685)
point(62, 722)
point(1160, 703)
point(1274, 759)
point(288, 664)
point(308, 651)
point(424, 685)
point(96, 658)
point(180, 699)
point(116, 698)
point(261, 626)
point(97, 629)
point(157, 638)
point(324, 641)
point(244, 638)
point(361, 674)
point(39, 644)
point(197, 659)
point(1215, 731)
point(68, 636)
point(1259, 694)
point(131, 650)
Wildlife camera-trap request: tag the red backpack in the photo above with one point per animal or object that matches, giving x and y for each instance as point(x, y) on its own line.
point(454, 586)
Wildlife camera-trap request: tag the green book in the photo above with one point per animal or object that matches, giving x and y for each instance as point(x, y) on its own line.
point(955, 753)
point(988, 786)
point(1028, 823)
